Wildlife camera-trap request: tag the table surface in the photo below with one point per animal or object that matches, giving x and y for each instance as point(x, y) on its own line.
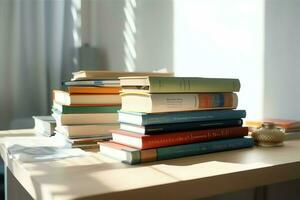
point(95, 176)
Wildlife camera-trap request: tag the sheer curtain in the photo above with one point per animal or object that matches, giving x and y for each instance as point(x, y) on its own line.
point(37, 51)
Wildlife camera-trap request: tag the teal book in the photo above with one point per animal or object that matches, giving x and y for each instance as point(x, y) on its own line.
point(133, 156)
point(84, 109)
point(108, 82)
point(138, 118)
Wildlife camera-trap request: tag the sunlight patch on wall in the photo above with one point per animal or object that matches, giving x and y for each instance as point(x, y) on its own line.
point(222, 38)
point(129, 35)
point(76, 15)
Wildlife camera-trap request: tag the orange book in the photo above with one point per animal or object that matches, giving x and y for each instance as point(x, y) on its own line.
point(286, 124)
point(93, 90)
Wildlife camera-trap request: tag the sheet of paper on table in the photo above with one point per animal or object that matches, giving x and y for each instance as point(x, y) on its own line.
point(37, 149)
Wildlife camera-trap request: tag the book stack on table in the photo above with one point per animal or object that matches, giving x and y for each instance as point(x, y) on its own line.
point(170, 117)
point(87, 109)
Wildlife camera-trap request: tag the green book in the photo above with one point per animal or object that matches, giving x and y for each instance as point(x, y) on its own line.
point(154, 84)
point(84, 109)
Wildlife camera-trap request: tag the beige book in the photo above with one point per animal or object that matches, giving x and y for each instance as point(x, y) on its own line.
point(86, 75)
point(153, 103)
point(64, 98)
point(92, 118)
point(86, 130)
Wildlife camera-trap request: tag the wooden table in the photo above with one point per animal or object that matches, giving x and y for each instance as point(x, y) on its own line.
point(96, 176)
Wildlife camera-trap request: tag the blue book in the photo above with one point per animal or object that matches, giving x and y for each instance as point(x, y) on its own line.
point(153, 129)
point(135, 156)
point(179, 117)
point(92, 83)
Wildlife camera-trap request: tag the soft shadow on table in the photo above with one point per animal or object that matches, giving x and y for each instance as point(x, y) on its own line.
point(71, 168)
point(54, 174)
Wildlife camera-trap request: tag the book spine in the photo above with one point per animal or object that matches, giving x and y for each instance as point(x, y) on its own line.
point(88, 109)
point(93, 90)
point(164, 153)
point(180, 117)
point(153, 129)
point(190, 85)
point(134, 157)
point(203, 148)
point(202, 101)
point(186, 137)
point(91, 118)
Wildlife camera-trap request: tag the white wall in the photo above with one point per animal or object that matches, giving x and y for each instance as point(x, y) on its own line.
point(222, 38)
point(254, 40)
point(282, 59)
point(212, 38)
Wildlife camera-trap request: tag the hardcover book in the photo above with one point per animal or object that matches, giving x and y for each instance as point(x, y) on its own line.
point(138, 118)
point(80, 131)
point(151, 103)
point(86, 83)
point(154, 84)
point(93, 90)
point(132, 156)
point(84, 109)
point(85, 75)
point(91, 118)
point(86, 142)
point(140, 141)
point(64, 98)
point(160, 128)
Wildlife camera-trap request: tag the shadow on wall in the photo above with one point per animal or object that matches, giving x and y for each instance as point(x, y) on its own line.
point(135, 35)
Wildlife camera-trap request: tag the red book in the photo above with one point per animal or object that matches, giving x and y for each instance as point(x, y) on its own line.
point(176, 138)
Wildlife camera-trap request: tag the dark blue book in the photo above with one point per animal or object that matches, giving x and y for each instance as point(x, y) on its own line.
point(179, 117)
point(132, 156)
point(160, 128)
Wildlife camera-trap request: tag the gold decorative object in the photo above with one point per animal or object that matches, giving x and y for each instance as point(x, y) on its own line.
point(268, 135)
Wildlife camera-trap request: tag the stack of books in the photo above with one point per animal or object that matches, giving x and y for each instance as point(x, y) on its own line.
point(170, 117)
point(84, 115)
point(87, 109)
